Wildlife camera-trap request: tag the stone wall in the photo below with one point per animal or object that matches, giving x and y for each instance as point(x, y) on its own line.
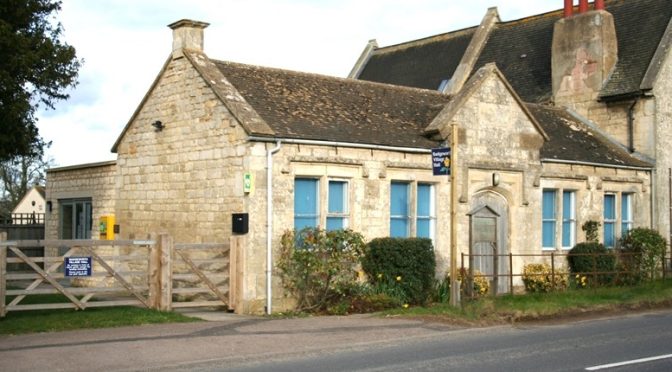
point(94, 181)
point(663, 113)
point(186, 179)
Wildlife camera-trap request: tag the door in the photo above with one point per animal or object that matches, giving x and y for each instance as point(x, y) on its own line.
point(489, 240)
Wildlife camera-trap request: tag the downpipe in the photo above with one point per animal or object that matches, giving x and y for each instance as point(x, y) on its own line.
point(269, 225)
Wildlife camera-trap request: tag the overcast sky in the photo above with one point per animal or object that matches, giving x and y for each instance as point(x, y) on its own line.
point(124, 43)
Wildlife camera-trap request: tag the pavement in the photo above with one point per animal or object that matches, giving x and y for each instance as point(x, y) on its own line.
point(228, 339)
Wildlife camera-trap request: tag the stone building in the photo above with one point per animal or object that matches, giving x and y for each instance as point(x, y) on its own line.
point(554, 128)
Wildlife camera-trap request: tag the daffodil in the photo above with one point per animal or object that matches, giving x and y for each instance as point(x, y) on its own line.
point(399, 278)
point(405, 306)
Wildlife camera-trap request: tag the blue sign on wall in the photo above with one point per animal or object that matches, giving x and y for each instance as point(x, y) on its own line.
point(441, 161)
point(77, 266)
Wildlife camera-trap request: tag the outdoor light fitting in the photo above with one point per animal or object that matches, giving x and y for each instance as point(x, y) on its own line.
point(158, 125)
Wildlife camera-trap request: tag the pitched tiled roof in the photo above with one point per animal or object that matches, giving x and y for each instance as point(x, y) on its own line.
point(522, 51)
point(420, 64)
point(573, 140)
point(309, 106)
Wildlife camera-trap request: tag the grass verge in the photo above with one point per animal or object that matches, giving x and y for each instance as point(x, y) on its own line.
point(546, 306)
point(20, 322)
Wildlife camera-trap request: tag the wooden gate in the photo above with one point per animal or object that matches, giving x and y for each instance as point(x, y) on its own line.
point(149, 273)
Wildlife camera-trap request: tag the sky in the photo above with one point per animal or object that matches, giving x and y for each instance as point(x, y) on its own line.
point(124, 43)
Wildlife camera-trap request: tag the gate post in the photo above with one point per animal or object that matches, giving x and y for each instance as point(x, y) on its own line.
point(155, 274)
point(166, 248)
point(3, 275)
point(236, 276)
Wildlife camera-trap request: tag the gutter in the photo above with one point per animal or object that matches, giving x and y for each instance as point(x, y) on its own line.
point(341, 144)
point(575, 162)
point(269, 224)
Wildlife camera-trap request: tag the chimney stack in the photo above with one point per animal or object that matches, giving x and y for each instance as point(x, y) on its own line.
point(583, 6)
point(187, 34)
point(569, 8)
point(584, 53)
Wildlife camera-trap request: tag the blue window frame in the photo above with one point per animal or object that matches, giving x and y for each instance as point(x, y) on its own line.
point(626, 214)
point(399, 210)
point(425, 211)
point(609, 218)
point(548, 219)
point(306, 211)
point(568, 219)
point(337, 212)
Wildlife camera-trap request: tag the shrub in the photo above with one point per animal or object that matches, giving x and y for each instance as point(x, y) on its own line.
point(591, 229)
point(319, 267)
point(539, 278)
point(480, 283)
point(643, 252)
point(403, 268)
point(591, 257)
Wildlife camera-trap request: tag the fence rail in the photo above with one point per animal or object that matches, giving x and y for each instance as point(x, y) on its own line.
point(148, 273)
point(558, 265)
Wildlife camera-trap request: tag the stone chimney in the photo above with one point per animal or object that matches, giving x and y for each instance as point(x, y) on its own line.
point(187, 34)
point(584, 52)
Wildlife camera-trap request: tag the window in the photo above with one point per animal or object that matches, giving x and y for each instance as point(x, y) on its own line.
point(75, 218)
point(309, 210)
point(425, 220)
point(412, 210)
point(568, 219)
point(305, 203)
point(626, 214)
point(609, 220)
point(399, 210)
point(553, 213)
point(548, 216)
point(337, 212)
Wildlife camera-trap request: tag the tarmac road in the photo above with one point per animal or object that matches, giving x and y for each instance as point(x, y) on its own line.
point(360, 342)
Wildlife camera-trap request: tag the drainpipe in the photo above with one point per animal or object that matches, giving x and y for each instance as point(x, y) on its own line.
point(631, 126)
point(269, 224)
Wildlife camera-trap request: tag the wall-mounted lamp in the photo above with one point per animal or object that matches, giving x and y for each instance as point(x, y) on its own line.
point(49, 206)
point(158, 125)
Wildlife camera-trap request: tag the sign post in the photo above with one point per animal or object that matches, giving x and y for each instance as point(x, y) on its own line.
point(444, 161)
point(454, 284)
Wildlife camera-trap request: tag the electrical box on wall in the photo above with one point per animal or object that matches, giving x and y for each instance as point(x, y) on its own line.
point(239, 223)
point(106, 226)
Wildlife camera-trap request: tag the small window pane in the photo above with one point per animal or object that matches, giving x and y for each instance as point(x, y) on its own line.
point(548, 219)
point(626, 214)
point(568, 219)
point(337, 196)
point(548, 205)
point(609, 220)
point(399, 217)
point(305, 203)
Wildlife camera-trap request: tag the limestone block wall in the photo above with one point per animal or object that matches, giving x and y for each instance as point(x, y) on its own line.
point(612, 118)
point(186, 179)
point(369, 174)
point(663, 147)
point(94, 181)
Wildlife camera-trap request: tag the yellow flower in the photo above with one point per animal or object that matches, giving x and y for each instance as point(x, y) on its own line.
point(405, 306)
point(399, 278)
point(380, 276)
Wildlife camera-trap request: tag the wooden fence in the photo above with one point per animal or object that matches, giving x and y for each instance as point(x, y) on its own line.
point(149, 273)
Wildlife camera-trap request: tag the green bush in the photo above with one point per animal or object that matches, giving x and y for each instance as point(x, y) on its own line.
point(590, 257)
point(643, 252)
point(319, 268)
point(402, 267)
point(539, 278)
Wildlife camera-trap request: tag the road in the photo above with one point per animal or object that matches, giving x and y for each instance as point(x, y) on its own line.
point(360, 343)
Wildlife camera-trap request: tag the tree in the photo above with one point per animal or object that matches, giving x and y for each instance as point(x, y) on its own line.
point(36, 68)
point(19, 174)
